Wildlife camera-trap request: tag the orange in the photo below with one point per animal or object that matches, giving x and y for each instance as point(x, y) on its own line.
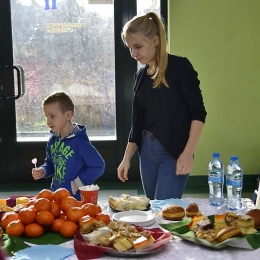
point(68, 229)
point(56, 226)
point(104, 217)
point(31, 202)
point(7, 218)
point(63, 216)
point(55, 209)
point(98, 209)
point(60, 194)
point(68, 202)
point(75, 213)
point(90, 209)
point(33, 230)
point(15, 228)
point(42, 204)
point(27, 215)
point(44, 218)
point(46, 194)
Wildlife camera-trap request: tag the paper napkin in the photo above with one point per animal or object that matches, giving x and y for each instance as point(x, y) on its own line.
point(43, 252)
point(160, 204)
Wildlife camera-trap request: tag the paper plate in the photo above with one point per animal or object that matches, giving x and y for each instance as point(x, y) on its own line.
point(136, 217)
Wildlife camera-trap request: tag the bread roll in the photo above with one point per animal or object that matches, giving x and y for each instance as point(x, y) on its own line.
point(255, 213)
point(228, 232)
point(173, 212)
point(192, 210)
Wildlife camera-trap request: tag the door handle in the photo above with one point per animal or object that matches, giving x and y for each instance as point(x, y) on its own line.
point(20, 82)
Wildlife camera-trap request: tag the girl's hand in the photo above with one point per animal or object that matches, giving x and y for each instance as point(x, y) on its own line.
point(184, 164)
point(122, 171)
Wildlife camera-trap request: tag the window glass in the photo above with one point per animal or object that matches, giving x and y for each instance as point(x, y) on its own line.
point(65, 45)
point(144, 7)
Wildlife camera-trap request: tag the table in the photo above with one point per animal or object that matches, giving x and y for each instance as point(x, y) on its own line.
point(180, 249)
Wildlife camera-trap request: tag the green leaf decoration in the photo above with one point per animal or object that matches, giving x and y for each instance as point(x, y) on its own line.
point(181, 229)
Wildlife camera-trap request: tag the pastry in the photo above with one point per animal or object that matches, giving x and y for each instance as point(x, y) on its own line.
point(220, 221)
point(173, 212)
point(228, 232)
point(205, 224)
point(126, 202)
point(255, 213)
point(231, 218)
point(140, 242)
point(199, 220)
point(121, 243)
point(192, 210)
point(246, 224)
point(85, 224)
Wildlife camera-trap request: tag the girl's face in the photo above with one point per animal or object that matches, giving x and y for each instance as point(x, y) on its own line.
point(141, 49)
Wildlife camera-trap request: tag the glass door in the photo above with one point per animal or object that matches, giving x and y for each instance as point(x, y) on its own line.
point(72, 46)
point(65, 45)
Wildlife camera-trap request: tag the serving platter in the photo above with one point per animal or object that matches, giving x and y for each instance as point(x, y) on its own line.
point(85, 250)
point(181, 230)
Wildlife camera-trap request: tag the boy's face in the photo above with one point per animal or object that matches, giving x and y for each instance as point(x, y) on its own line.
point(55, 118)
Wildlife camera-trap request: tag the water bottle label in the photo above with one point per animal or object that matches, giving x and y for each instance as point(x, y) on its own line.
point(234, 182)
point(215, 179)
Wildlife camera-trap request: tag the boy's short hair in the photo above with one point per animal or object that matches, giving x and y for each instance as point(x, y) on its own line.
point(62, 98)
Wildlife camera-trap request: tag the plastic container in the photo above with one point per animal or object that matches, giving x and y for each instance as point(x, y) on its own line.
point(216, 180)
point(234, 184)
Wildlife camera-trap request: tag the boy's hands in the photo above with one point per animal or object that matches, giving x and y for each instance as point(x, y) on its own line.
point(37, 173)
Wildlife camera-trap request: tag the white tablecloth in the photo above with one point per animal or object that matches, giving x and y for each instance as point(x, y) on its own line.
point(180, 249)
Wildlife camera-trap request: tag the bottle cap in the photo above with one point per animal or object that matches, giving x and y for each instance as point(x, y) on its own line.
point(233, 158)
point(216, 154)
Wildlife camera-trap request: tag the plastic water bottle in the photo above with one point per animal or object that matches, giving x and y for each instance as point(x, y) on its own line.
point(234, 182)
point(216, 180)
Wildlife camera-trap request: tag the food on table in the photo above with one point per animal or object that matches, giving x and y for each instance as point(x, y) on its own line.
point(173, 212)
point(119, 235)
point(33, 230)
point(197, 223)
point(228, 232)
point(192, 210)
point(246, 224)
point(7, 218)
point(126, 202)
point(22, 200)
point(43, 213)
point(255, 213)
point(15, 228)
point(220, 221)
point(226, 225)
point(85, 224)
point(231, 218)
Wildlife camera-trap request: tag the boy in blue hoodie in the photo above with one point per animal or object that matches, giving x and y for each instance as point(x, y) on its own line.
point(71, 160)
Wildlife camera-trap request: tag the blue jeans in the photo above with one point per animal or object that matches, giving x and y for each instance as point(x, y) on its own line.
point(158, 171)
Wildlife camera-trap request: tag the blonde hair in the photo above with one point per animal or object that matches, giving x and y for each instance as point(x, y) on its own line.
point(150, 25)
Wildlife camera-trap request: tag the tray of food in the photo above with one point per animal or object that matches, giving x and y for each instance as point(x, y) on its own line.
point(221, 230)
point(118, 239)
point(127, 202)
